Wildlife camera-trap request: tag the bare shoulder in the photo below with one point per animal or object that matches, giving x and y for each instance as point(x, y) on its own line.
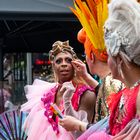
point(88, 96)
point(88, 100)
point(138, 103)
point(88, 103)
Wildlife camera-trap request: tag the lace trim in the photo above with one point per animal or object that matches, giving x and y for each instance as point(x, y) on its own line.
point(114, 41)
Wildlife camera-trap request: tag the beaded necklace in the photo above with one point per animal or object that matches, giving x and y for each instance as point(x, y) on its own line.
point(122, 100)
point(135, 84)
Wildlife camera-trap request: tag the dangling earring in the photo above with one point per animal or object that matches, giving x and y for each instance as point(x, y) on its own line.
point(120, 71)
point(74, 73)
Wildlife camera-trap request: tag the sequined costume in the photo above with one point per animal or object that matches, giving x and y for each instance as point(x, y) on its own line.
point(123, 114)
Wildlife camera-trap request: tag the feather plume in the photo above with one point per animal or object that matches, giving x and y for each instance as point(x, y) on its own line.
point(92, 15)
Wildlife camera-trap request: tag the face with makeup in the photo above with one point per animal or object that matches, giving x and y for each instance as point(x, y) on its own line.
point(63, 68)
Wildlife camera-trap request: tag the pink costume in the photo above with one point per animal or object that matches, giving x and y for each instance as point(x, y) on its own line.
point(122, 118)
point(40, 123)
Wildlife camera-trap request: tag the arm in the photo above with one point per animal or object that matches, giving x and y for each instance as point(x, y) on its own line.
point(84, 114)
point(71, 124)
point(87, 104)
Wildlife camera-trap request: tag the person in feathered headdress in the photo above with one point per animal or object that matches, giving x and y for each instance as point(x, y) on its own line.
point(92, 15)
point(123, 47)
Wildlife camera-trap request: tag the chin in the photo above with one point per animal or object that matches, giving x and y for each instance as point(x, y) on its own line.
point(66, 80)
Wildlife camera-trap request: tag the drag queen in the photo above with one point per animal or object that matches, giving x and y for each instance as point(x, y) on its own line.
point(69, 93)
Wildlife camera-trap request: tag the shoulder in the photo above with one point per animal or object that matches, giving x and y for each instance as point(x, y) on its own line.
point(88, 103)
point(88, 98)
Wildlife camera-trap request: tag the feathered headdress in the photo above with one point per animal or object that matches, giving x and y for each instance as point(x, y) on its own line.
point(92, 15)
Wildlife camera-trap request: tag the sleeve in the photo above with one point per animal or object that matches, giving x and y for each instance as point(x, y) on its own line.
point(34, 93)
point(69, 109)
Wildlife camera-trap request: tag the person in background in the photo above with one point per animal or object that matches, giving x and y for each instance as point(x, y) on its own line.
point(70, 93)
point(6, 91)
point(123, 48)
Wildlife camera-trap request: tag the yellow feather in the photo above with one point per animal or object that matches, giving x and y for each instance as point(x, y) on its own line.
point(92, 15)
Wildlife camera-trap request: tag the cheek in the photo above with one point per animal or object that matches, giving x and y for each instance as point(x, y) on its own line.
point(111, 62)
point(113, 67)
point(71, 68)
point(56, 69)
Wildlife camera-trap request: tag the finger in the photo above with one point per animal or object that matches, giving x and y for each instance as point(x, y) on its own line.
point(77, 67)
point(63, 89)
point(137, 136)
point(79, 61)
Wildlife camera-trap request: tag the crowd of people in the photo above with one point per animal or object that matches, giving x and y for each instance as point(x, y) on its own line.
point(122, 41)
point(76, 106)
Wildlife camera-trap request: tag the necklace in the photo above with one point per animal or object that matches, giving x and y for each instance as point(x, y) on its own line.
point(135, 84)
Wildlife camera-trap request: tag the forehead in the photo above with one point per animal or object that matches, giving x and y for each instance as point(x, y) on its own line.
point(63, 55)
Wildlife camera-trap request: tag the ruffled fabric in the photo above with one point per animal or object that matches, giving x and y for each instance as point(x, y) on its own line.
point(40, 124)
point(37, 124)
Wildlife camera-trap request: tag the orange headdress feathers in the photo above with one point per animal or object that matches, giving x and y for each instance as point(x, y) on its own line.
point(92, 15)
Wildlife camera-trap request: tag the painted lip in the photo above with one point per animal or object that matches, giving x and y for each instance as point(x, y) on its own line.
point(64, 72)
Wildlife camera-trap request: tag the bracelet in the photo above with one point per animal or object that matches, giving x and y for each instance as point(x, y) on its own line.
point(89, 125)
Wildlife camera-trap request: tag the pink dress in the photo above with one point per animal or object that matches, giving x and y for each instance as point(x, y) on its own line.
point(40, 123)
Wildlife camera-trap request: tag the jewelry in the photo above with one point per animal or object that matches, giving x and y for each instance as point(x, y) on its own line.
point(135, 84)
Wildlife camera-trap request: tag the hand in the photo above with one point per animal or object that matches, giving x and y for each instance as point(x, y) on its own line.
point(80, 68)
point(67, 90)
point(81, 72)
point(71, 124)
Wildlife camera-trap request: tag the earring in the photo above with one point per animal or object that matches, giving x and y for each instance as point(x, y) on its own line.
point(120, 71)
point(74, 73)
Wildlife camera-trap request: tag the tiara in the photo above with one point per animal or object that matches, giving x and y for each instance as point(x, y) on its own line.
point(60, 46)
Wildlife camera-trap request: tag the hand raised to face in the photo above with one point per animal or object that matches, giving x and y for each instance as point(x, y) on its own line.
point(80, 67)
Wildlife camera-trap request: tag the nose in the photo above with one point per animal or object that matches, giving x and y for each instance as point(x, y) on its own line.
point(64, 63)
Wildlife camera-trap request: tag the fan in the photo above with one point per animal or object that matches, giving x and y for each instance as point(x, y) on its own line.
point(11, 125)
